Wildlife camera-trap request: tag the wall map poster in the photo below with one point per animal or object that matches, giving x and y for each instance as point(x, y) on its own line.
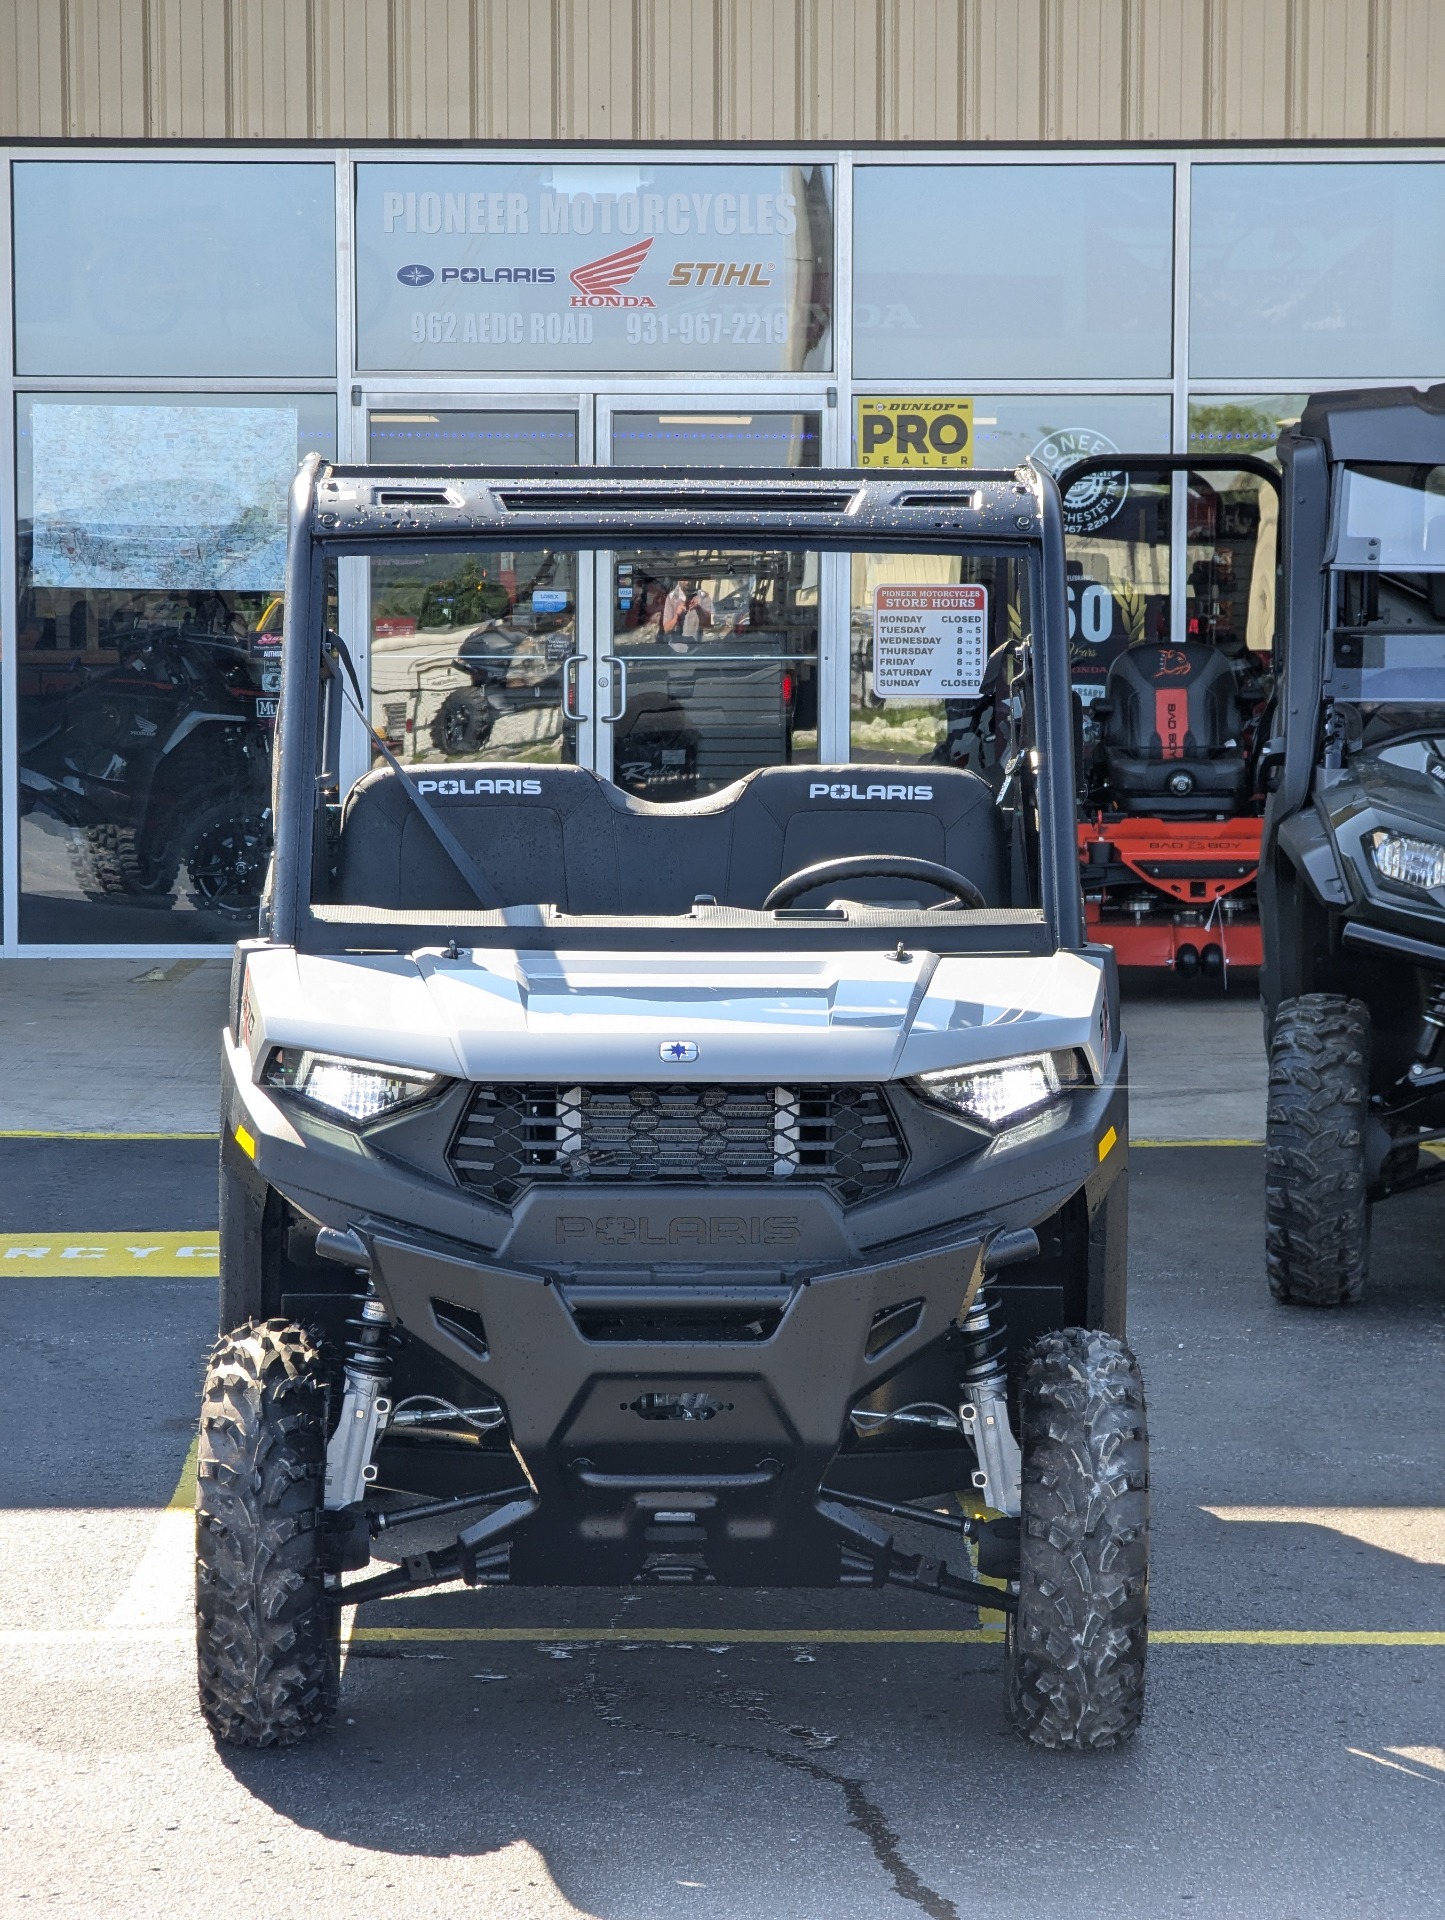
point(929, 643)
point(168, 497)
point(477, 268)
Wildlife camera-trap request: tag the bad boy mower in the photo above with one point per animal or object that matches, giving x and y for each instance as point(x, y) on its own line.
point(1170, 815)
point(722, 1194)
point(1352, 883)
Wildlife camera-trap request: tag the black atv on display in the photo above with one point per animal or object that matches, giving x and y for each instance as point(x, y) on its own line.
point(627, 1194)
point(1352, 877)
point(161, 762)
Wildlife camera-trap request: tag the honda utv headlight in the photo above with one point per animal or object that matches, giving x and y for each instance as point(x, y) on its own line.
point(1407, 861)
point(1003, 1091)
point(352, 1090)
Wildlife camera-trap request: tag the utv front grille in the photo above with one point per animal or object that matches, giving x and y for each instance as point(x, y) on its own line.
point(843, 1138)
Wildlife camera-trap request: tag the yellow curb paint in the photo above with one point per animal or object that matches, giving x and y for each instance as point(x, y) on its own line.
point(108, 1256)
point(1108, 1143)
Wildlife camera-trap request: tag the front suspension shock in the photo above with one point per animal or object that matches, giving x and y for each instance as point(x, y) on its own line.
point(364, 1405)
point(984, 1410)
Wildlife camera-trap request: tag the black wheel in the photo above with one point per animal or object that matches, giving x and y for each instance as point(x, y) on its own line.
point(228, 848)
point(1316, 1202)
point(109, 864)
point(267, 1635)
point(463, 722)
point(1076, 1647)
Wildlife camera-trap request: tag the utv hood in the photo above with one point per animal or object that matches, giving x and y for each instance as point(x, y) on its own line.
point(556, 1017)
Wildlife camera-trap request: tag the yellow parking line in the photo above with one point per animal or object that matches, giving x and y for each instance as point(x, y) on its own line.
point(49, 1133)
point(1197, 1143)
point(747, 1636)
point(109, 1256)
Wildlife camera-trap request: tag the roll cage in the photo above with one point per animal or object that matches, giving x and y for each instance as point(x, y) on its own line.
point(358, 511)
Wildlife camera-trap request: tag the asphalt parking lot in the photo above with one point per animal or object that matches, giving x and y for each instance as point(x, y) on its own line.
point(641, 1754)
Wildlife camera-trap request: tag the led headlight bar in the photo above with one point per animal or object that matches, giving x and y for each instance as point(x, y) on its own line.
point(1407, 861)
point(996, 1095)
point(350, 1090)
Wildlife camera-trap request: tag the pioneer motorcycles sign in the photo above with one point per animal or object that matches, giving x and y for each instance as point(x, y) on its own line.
point(464, 268)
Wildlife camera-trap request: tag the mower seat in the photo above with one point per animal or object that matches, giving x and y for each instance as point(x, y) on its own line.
point(1171, 733)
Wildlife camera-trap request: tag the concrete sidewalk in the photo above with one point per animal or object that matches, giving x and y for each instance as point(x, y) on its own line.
point(116, 1046)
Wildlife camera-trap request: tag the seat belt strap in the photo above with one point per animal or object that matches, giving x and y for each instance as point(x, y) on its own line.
point(484, 892)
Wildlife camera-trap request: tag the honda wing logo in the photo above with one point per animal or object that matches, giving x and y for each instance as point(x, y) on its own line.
point(679, 1052)
point(600, 282)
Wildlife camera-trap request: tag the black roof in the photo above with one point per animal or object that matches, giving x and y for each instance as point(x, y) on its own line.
point(362, 506)
point(1377, 423)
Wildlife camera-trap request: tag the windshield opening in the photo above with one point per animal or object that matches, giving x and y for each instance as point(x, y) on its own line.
point(570, 736)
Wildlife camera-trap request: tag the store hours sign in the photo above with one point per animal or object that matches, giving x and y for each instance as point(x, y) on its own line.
point(511, 269)
point(929, 643)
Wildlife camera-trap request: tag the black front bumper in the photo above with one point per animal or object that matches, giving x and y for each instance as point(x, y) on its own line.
point(729, 1439)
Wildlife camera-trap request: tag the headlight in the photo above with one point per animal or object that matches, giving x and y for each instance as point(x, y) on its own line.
point(1407, 861)
point(355, 1090)
point(996, 1095)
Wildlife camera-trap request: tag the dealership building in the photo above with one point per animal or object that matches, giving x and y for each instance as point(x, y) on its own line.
point(735, 233)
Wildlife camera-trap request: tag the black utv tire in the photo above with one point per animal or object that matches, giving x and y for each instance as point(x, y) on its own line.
point(1076, 1646)
point(228, 848)
point(1317, 1240)
point(109, 865)
point(463, 722)
point(267, 1633)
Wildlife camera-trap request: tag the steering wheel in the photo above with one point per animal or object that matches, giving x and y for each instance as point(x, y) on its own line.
point(874, 866)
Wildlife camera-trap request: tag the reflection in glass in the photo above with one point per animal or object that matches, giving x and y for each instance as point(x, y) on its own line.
point(718, 665)
point(961, 732)
point(716, 440)
point(468, 655)
point(148, 663)
point(461, 437)
point(1013, 272)
point(1316, 271)
point(1243, 423)
point(169, 268)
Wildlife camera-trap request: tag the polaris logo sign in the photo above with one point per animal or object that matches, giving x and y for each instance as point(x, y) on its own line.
point(503, 783)
point(843, 790)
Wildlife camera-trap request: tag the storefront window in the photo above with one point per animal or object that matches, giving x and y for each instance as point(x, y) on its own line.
point(717, 658)
point(1316, 271)
point(1012, 273)
point(716, 439)
point(151, 546)
point(1118, 526)
point(1246, 423)
point(930, 658)
point(134, 268)
point(494, 268)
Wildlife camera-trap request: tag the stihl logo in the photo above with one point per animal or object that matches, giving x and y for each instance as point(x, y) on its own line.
point(1171, 723)
point(599, 283)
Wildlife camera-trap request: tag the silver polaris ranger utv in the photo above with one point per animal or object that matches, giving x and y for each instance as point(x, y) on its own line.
point(695, 1191)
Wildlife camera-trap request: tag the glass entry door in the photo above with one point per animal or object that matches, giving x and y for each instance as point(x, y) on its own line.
point(481, 657)
point(708, 661)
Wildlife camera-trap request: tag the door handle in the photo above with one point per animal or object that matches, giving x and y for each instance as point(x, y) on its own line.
point(619, 688)
point(569, 688)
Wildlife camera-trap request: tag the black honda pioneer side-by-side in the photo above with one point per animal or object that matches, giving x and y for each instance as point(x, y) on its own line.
point(1352, 877)
point(693, 1194)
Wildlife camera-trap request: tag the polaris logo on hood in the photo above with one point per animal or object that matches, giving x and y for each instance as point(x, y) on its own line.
point(841, 790)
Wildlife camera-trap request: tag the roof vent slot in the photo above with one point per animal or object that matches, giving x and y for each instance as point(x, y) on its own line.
point(413, 497)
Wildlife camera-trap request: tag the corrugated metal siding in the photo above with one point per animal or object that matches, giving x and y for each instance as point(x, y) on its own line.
point(689, 70)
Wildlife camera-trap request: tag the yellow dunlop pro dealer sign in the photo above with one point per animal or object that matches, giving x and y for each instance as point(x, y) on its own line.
point(915, 430)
